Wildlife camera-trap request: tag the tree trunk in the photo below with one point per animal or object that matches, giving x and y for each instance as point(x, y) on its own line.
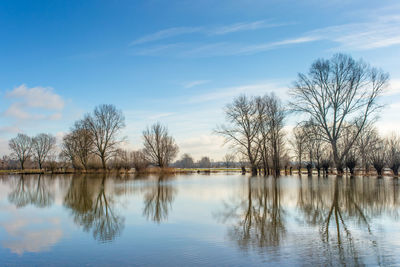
point(253, 170)
point(103, 162)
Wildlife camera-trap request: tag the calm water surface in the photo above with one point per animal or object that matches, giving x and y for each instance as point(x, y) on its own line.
point(188, 220)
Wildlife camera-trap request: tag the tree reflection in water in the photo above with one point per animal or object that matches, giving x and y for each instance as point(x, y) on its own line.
point(158, 199)
point(258, 218)
point(31, 190)
point(333, 205)
point(92, 207)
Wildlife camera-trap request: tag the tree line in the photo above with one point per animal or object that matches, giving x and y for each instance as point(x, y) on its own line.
point(335, 105)
point(95, 142)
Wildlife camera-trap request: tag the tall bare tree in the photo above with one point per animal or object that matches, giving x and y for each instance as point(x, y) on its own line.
point(42, 145)
point(339, 93)
point(105, 124)
point(275, 115)
point(21, 147)
point(159, 147)
point(243, 128)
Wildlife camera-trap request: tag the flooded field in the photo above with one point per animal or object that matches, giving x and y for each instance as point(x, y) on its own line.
point(187, 220)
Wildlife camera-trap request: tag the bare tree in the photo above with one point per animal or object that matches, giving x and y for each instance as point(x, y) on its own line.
point(21, 147)
point(378, 158)
point(78, 145)
point(229, 160)
point(275, 115)
point(392, 148)
point(104, 126)
point(339, 93)
point(42, 145)
point(159, 147)
point(298, 144)
point(365, 146)
point(68, 149)
point(84, 143)
point(139, 160)
point(243, 128)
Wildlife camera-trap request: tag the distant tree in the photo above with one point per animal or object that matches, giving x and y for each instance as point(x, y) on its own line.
point(298, 144)
point(229, 160)
point(392, 148)
point(186, 161)
point(242, 128)
point(42, 145)
point(21, 147)
point(139, 160)
point(78, 145)
point(378, 157)
point(104, 125)
point(204, 162)
point(337, 94)
point(351, 162)
point(159, 147)
point(365, 146)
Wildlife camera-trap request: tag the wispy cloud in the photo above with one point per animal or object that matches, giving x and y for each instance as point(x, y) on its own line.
point(191, 84)
point(220, 30)
point(378, 32)
point(167, 33)
point(244, 26)
point(250, 89)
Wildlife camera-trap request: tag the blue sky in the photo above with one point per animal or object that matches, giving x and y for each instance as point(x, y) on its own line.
point(177, 62)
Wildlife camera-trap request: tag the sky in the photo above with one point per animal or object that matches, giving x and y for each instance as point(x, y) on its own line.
point(177, 62)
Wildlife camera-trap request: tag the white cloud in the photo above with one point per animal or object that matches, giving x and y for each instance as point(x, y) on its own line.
point(23, 239)
point(393, 88)
point(243, 26)
point(34, 103)
point(249, 89)
point(177, 31)
point(167, 33)
point(191, 84)
point(377, 32)
point(160, 115)
point(203, 145)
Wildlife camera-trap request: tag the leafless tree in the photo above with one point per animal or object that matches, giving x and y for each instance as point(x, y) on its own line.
point(139, 161)
point(378, 157)
point(272, 115)
point(243, 128)
point(121, 160)
point(229, 160)
point(104, 125)
point(21, 147)
point(298, 144)
point(42, 145)
point(78, 145)
point(392, 148)
point(68, 149)
point(339, 93)
point(159, 147)
point(365, 146)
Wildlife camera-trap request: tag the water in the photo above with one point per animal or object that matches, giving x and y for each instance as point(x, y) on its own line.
point(189, 220)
